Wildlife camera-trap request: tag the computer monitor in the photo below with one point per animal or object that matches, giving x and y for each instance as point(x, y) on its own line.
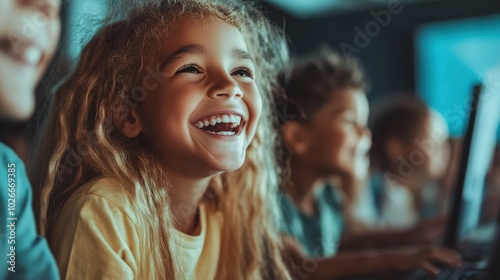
point(478, 148)
point(493, 270)
point(450, 56)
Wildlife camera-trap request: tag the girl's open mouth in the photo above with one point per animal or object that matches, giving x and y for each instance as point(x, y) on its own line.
point(22, 51)
point(225, 124)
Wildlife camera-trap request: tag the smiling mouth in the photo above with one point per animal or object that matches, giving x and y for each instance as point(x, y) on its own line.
point(227, 124)
point(22, 51)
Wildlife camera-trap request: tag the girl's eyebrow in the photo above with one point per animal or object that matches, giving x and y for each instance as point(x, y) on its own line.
point(186, 50)
point(341, 110)
point(241, 54)
point(199, 49)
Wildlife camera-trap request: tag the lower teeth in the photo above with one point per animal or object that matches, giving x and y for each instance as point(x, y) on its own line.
point(223, 132)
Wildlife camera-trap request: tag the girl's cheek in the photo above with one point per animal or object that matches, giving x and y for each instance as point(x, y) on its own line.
point(52, 34)
point(258, 101)
point(256, 106)
point(258, 112)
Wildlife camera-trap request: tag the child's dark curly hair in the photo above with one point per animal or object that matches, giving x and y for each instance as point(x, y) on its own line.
point(311, 83)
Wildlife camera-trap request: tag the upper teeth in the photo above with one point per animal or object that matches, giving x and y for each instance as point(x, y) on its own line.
point(235, 120)
point(32, 55)
point(29, 54)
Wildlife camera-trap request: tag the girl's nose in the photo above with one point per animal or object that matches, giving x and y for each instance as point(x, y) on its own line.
point(364, 131)
point(225, 88)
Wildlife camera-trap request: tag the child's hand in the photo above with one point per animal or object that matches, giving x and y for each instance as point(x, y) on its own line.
point(430, 231)
point(403, 260)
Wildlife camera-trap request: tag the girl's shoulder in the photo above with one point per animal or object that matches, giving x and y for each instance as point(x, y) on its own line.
point(106, 187)
point(97, 231)
point(103, 192)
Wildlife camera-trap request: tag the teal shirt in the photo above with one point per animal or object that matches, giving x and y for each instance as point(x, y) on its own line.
point(32, 259)
point(318, 235)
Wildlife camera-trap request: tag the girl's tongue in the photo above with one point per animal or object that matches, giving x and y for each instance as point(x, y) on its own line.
point(221, 124)
point(221, 127)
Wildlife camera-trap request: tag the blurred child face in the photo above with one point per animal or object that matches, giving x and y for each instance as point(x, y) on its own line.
point(339, 138)
point(201, 118)
point(434, 145)
point(29, 31)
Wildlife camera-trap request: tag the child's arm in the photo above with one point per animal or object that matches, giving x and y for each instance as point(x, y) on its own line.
point(366, 263)
point(28, 255)
point(363, 237)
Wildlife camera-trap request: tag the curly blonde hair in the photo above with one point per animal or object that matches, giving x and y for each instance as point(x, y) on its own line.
point(95, 100)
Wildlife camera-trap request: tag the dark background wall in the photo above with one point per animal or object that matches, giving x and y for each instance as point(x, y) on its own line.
point(389, 58)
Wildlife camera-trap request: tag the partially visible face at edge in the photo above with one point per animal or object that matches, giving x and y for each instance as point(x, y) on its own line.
point(29, 33)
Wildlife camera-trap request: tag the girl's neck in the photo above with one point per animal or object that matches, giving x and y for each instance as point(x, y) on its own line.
point(303, 183)
point(185, 196)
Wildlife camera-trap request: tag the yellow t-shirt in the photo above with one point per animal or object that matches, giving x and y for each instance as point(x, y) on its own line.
point(97, 237)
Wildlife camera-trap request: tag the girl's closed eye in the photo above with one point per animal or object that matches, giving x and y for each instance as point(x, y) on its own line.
point(244, 72)
point(350, 118)
point(191, 68)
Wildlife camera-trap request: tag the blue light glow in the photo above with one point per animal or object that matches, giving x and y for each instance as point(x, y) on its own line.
point(84, 20)
point(452, 57)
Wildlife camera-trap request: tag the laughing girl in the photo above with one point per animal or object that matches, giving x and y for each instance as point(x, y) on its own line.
point(158, 148)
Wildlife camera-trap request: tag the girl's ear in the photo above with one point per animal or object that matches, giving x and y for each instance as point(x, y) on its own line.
point(132, 125)
point(296, 137)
